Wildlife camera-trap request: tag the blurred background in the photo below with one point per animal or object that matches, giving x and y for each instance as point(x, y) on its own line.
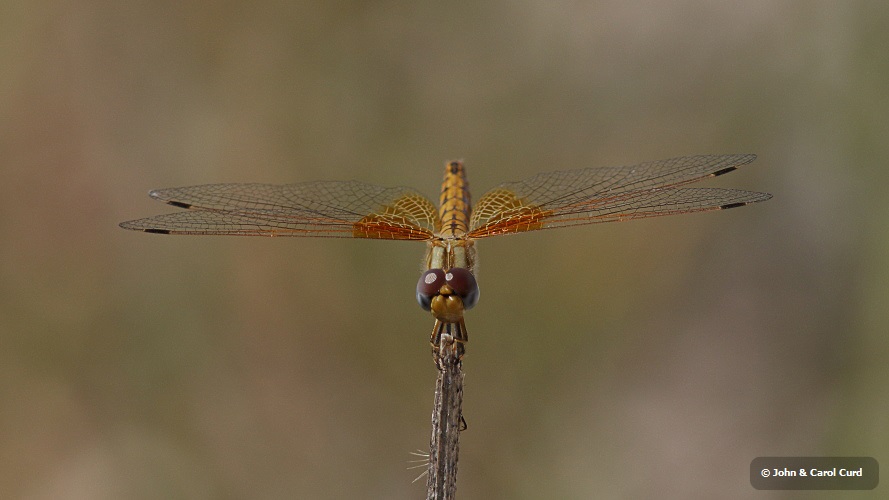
point(655, 358)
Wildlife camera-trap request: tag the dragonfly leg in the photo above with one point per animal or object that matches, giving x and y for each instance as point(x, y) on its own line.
point(437, 329)
point(456, 331)
point(462, 335)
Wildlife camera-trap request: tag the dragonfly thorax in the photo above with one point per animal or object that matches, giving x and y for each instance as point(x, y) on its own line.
point(445, 253)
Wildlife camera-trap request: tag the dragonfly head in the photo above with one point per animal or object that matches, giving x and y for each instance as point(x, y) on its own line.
point(447, 293)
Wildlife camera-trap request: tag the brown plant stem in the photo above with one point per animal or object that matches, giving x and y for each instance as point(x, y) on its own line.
point(447, 420)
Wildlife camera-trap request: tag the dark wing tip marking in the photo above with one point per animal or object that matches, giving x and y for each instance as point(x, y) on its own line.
point(134, 225)
point(723, 171)
point(163, 195)
point(739, 160)
point(755, 198)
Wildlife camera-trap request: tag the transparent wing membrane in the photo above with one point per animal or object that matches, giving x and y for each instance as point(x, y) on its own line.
point(358, 210)
point(333, 209)
point(592, 195)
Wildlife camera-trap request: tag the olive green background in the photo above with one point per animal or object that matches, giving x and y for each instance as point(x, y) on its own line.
point(650, 359)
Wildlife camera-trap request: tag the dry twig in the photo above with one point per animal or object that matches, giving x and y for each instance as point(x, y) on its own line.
point(447, 420)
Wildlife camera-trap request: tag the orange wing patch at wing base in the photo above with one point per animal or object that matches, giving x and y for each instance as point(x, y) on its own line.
point(410, 217)
point(501, 211)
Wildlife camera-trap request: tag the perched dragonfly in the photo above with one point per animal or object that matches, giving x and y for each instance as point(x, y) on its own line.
point(351, 209)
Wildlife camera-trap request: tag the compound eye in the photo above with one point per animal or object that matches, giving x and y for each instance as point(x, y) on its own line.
point(428, 286)
point(463, 283)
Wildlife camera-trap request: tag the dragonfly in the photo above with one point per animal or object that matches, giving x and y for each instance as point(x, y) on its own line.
point(448, 287)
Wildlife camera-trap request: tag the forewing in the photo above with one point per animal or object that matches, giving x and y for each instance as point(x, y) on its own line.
point(591, 195)
point(327, 209)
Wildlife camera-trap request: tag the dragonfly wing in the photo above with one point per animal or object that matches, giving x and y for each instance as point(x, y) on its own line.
point(668, 201)
point(346, 209)
point(591, 195)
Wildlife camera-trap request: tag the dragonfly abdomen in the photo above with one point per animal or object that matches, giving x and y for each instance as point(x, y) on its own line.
point(454, 204)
